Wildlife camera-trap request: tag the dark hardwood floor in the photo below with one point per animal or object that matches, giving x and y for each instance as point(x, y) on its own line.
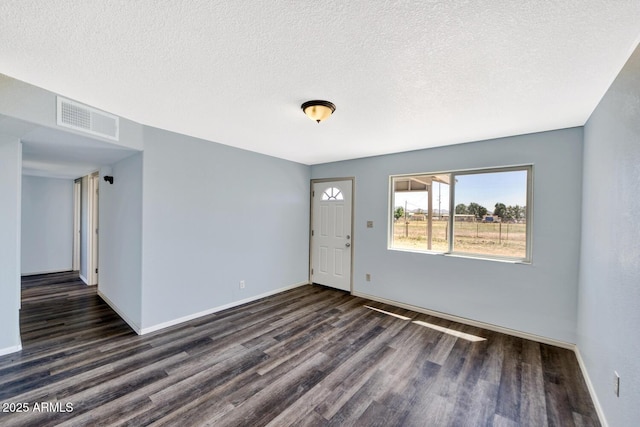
point(309, 356)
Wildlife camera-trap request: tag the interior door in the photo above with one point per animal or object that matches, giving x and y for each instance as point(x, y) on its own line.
point(331, 234)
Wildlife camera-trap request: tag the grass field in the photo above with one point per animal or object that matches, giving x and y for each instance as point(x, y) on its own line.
point(477, 238)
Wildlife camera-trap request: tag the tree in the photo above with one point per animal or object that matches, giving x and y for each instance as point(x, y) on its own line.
point(461, 209)
point(398, 213)
point(477, 210)
point(500, 210)
point(518, 211)
point(509, 214)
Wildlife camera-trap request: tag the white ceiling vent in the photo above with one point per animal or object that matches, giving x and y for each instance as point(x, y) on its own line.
point(76, 116)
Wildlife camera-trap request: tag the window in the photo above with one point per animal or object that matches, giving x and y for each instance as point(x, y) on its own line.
point(483, 213)
point(332, 193)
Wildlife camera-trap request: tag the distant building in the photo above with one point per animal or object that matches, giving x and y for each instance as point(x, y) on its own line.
point(460, 217)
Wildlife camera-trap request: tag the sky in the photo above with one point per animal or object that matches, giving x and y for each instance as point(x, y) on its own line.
point(486, 189)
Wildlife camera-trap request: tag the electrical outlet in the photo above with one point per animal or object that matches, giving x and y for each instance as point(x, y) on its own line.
point(367, 277)
point(241, 284)
point(369, 224)
point(616, 383)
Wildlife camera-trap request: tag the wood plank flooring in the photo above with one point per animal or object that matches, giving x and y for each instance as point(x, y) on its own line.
point(310, 356)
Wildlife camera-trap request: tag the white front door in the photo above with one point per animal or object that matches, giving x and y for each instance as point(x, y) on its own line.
point(331, 240)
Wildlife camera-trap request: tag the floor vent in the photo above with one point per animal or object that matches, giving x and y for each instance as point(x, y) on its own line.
point(76, 116)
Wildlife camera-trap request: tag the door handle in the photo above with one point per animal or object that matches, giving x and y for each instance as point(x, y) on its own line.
point(347, 244)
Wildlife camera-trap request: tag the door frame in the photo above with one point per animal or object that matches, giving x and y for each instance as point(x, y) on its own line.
point(353, 243)
point(77, 201)
point(93, 186)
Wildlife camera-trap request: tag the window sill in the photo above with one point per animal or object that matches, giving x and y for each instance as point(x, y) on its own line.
point(489, 258)
point(466, 256)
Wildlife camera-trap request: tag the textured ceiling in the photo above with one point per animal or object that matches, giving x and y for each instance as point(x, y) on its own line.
point(403, 74)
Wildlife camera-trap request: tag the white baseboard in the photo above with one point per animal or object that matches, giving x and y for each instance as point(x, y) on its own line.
point(174, 322)
point(9, 350)
point(84, 279)
point(464, 320)
point(37, 273)
point(592, 390)
point(115, 308)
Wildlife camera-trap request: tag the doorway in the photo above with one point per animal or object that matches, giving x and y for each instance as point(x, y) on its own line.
point(331, 232)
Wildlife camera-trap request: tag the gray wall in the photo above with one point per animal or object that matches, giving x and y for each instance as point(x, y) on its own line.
point(120, 243)
point(609, 303)
point(539, 298)
point(10, 218)
point(212, 216)
point(47, 224)
point(38, 107)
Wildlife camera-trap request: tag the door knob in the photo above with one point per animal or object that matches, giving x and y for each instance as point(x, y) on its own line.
point(347, 244)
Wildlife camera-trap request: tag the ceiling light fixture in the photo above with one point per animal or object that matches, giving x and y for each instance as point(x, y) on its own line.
point(318, 110)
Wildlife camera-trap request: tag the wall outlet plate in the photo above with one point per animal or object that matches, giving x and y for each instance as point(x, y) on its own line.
point(241, 284)
point(367, 277)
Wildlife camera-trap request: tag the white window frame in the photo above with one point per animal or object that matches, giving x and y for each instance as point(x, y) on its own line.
point(452, 203)
point(333, 197)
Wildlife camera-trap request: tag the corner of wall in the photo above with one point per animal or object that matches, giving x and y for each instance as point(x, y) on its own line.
point(590, 387)
point(608, 309)
point(10, 233)
point(133, 325)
